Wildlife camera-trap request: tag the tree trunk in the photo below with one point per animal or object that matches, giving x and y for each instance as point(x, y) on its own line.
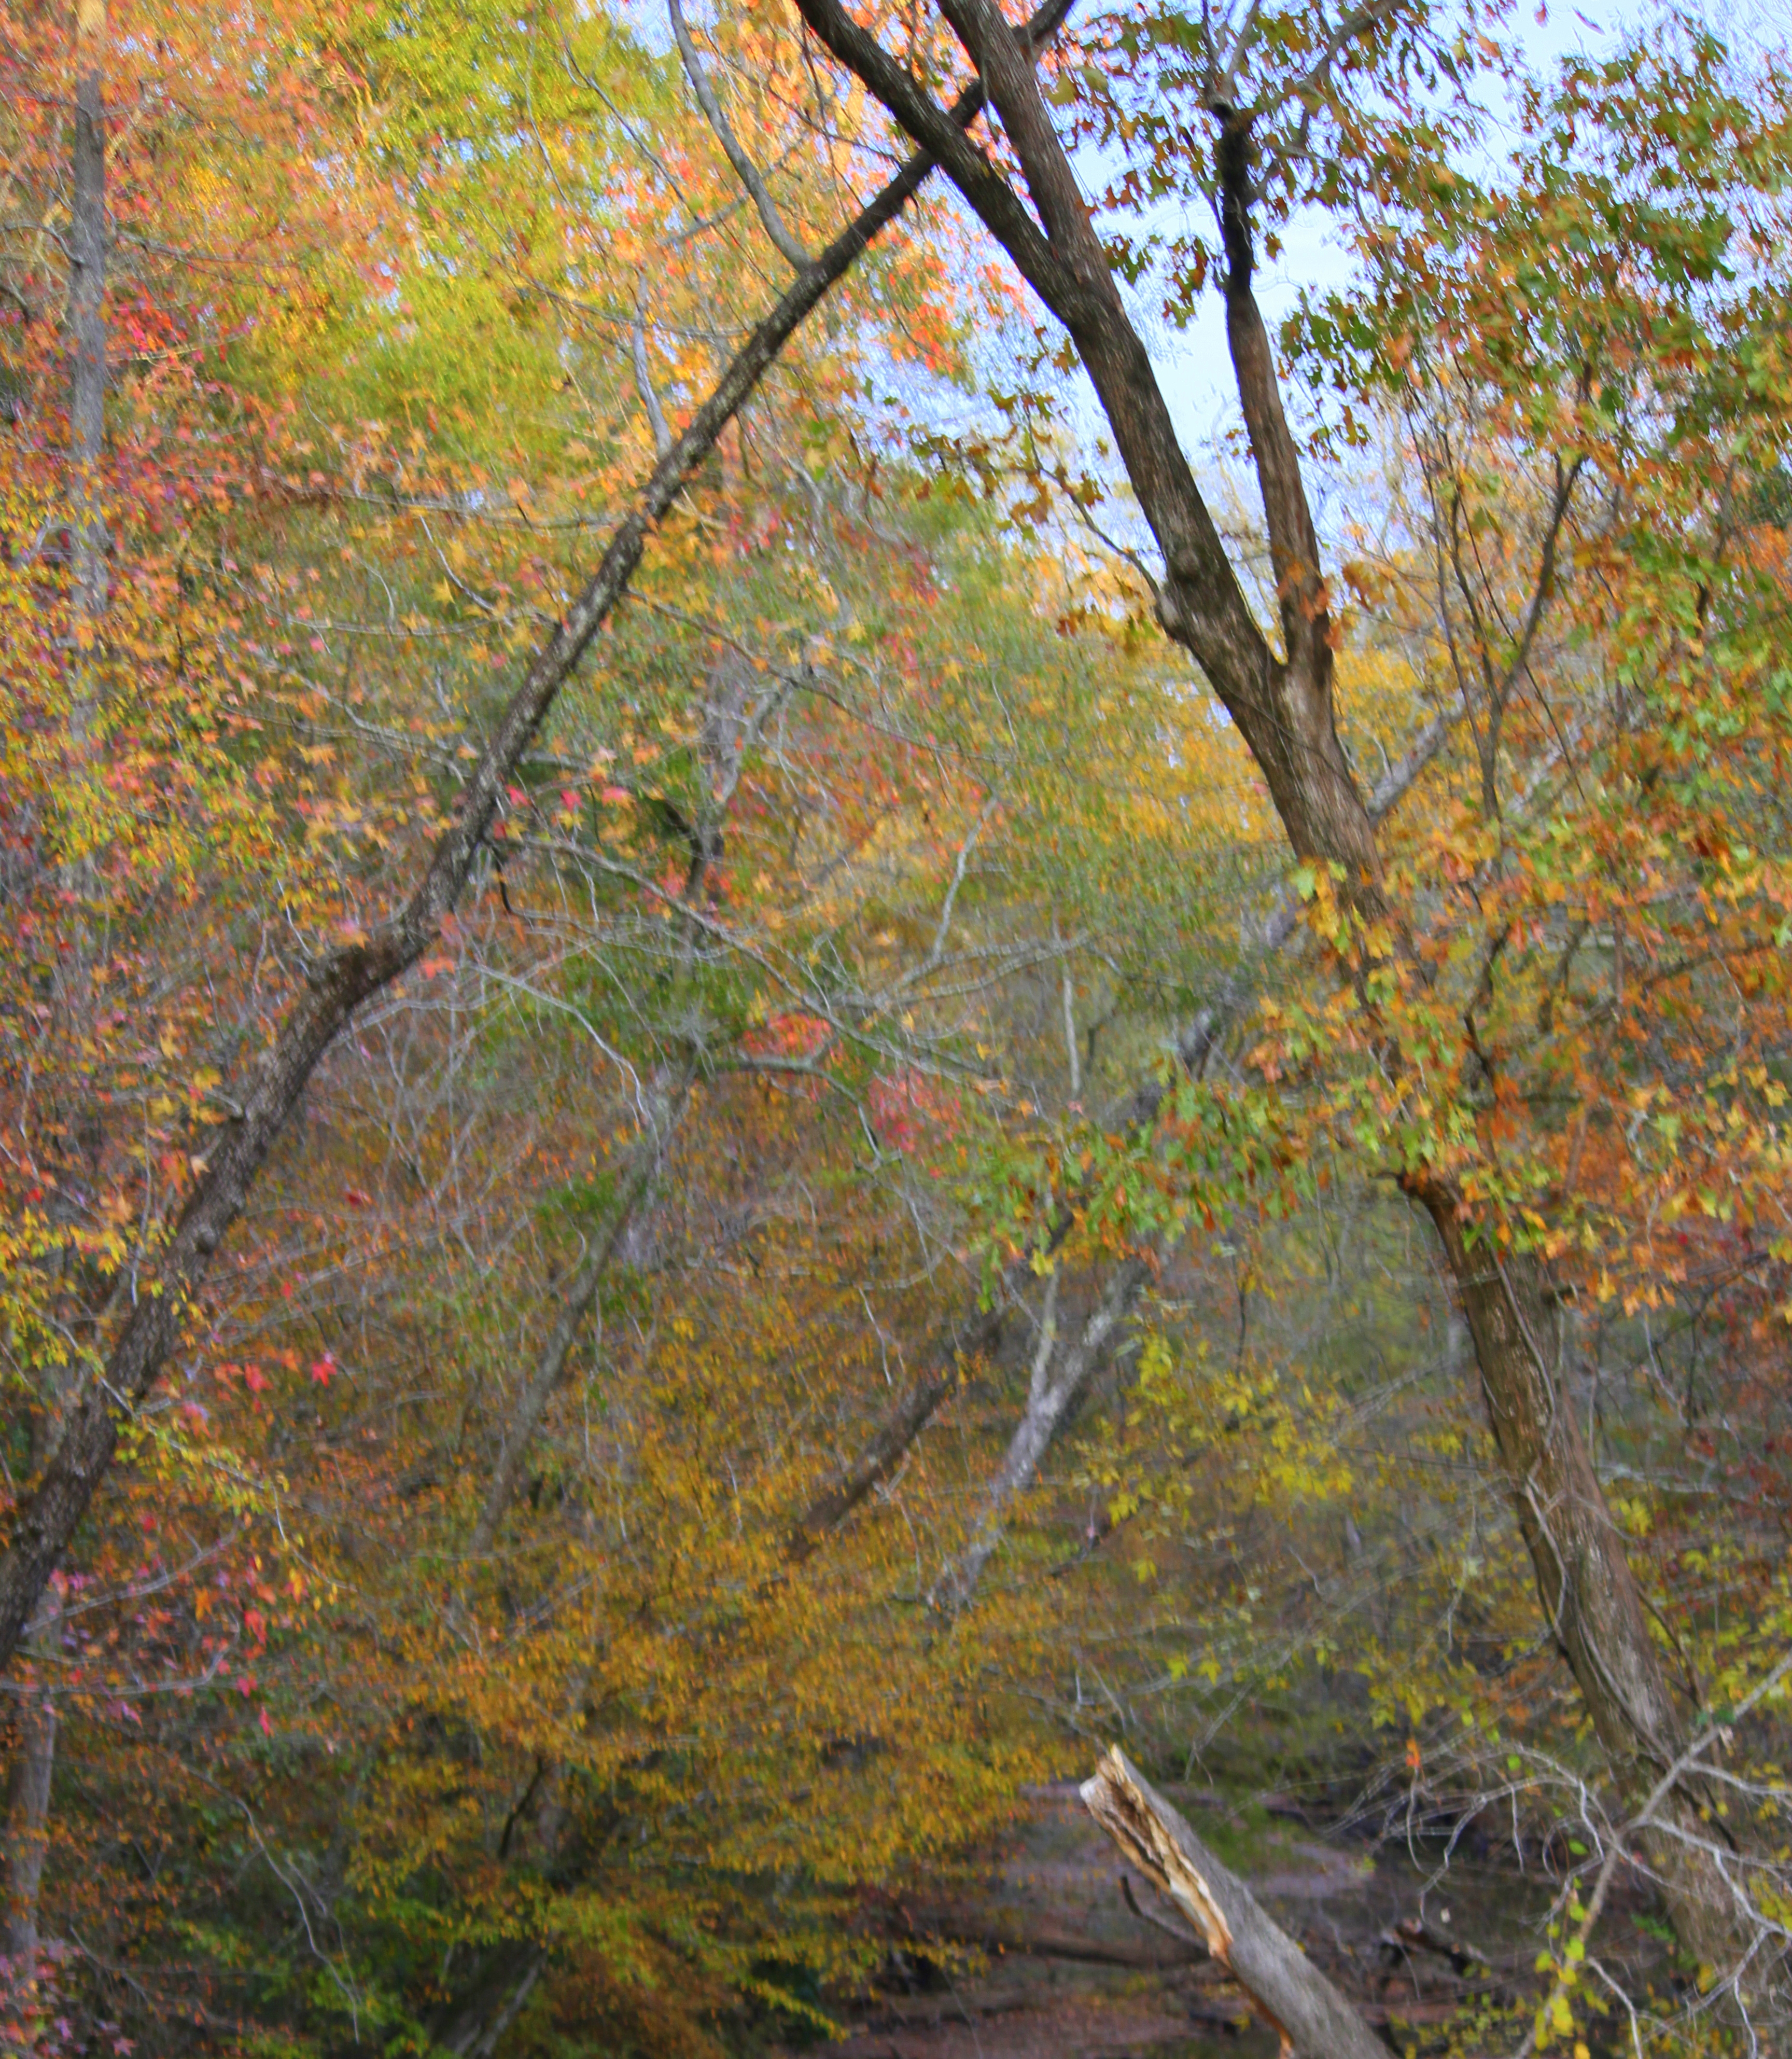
point(1313, 2018)
point(28, 1831)
point(28, 1812)
point(29, 1783)
point(1056, 1384)
point(1282, 704)
point(87, 326)
point(1588, 1590)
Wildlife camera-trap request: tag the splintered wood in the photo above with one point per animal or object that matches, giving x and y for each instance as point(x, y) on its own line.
point(1113, 1799)
point(1311, 2017)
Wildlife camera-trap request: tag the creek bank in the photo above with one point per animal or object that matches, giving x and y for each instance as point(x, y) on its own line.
point(1080, 1959)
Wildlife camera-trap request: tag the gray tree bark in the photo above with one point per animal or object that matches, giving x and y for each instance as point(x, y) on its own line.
point(1313, 2019)
point(86, 318)
point(1057, 1382)
point(28, 1829)
point(34, 1766)
point(28, 1786)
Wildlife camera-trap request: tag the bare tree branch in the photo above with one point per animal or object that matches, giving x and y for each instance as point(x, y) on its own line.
point(744, 169)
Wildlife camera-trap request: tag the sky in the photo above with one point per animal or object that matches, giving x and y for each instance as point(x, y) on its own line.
point(1196, 377)
point(1192, 364)
point(1192, 361)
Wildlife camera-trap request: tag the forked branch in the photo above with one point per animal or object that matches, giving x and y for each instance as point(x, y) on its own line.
point(744, 169)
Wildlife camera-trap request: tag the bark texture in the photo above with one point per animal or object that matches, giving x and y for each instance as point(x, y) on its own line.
point(87, 314)
point(34, 1766)
point(28, 1786)
point(28, 1829)
point(1057, 1382)
point(1313, 2019)
point(1584, 1580)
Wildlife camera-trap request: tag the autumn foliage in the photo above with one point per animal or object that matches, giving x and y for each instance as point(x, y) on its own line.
point(892, 1233)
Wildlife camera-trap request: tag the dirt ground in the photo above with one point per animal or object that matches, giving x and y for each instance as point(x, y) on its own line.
point(1071, 1971)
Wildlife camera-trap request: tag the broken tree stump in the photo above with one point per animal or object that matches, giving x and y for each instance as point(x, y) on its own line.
point(1314, 2020)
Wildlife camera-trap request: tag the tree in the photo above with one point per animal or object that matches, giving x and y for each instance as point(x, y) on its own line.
point(359, 970)
point(861, 1193)
point(1262, 86)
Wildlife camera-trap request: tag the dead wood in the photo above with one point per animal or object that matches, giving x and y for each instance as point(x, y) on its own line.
point(1313, 2018)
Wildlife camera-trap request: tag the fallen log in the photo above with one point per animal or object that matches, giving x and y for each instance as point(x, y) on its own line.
point(1313, 2018)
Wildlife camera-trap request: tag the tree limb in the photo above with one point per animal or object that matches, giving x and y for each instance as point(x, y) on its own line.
point(744, 169)
point(1314, 2020)
point(640, 1179)
point(1049, 1402)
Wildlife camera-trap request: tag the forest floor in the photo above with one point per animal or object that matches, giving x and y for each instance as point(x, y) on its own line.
point(1069, 1971)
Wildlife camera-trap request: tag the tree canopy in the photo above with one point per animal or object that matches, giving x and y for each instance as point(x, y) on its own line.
point(764, 1063)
